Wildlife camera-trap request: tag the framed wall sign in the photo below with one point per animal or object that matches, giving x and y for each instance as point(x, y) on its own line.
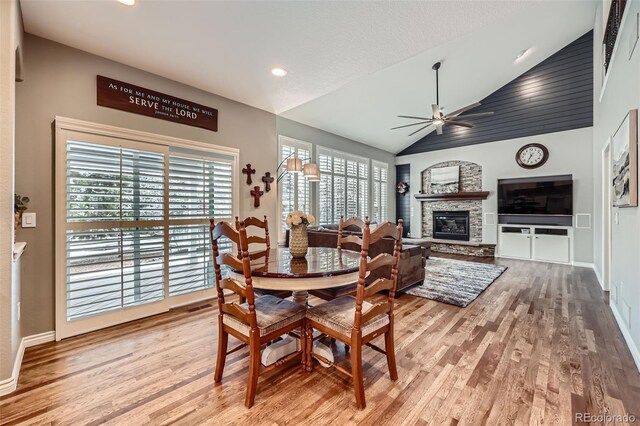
point(139, 100)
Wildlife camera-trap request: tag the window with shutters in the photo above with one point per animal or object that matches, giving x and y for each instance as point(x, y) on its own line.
point(380, 188)
point(343, 190)
point(132, 230)
point(294, 190)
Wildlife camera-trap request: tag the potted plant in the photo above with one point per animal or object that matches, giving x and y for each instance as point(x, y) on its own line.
point(19, 206)
point(297, 221)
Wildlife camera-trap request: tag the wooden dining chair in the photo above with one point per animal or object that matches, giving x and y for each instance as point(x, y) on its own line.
point(257, 321)
point(256, 239)
point(356, 322)
point(348, 242)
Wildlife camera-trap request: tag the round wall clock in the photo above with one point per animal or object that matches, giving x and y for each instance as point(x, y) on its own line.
point(532, 156)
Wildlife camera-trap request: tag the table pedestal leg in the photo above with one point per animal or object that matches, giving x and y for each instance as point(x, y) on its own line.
point(289, 345)
point(301, 297)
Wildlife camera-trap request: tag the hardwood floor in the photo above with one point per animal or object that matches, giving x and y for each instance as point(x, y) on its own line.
point(538, 346)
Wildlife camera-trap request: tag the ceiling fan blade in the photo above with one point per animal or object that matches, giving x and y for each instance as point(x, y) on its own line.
point(460, 123)
point(436, 111)
point(461, 110)
point(409, 125)
point(439, 129)
point(478, 115)
point(422, 128)
point(415, 118)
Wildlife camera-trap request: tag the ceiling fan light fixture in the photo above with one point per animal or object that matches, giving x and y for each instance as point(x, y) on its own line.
point(437, 122)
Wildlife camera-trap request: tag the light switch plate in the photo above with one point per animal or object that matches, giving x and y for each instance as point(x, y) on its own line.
point(28, 220)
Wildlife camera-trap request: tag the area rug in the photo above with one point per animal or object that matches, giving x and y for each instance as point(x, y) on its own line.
point(456, 282)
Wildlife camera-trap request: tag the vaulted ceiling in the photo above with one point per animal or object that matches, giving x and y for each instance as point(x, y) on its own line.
point(352, 66)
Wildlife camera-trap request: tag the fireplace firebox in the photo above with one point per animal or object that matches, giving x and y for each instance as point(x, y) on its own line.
point(451, 225)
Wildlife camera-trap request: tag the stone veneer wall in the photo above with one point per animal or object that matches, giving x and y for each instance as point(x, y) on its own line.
point(470, 181)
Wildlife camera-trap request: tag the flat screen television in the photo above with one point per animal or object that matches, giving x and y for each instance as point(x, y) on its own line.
point(544, 195)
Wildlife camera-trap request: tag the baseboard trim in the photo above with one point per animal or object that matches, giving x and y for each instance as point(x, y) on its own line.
point(38, 339)
point(9, 385)
point(582, 264)
point(635, 353)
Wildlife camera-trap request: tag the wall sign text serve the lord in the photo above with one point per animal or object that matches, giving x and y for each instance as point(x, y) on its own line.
point(127, 97)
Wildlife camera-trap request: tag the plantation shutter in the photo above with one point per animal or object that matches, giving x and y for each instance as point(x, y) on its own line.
point(380, 188)
point(294, 189)
point(344, 186)
point(200, 187)
point(132, 223)
point(114, 251)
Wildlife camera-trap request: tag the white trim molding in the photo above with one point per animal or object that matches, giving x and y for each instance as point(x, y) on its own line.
point(9, 385)
point(635, 353)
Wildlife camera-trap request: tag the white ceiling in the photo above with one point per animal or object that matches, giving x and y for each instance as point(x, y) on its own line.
point(345, 59)
point(473, 67)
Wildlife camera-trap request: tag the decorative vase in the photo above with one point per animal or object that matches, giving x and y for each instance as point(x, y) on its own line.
point(298, 241)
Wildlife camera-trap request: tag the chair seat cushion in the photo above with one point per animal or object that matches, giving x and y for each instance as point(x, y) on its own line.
point(339, 314)
point(272, 314)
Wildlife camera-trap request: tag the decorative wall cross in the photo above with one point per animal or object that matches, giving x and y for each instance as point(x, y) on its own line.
point(248, 171)
point(268, 180)
point(256, 194)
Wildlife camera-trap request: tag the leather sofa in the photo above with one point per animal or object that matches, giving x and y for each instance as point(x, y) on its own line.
point(410, 268)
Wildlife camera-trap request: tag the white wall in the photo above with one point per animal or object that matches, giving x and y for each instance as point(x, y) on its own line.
point(10, 40)
point(622, 93)
point(570, 152)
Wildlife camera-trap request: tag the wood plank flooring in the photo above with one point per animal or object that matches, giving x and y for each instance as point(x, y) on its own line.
point(538, 346)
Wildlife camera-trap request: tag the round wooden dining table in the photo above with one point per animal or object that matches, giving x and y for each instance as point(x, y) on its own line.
point(322, 267)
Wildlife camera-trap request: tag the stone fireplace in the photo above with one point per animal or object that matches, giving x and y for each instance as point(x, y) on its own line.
point(454, 221)
point(451, 225)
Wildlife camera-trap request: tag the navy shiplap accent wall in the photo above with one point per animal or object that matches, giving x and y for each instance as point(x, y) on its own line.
point(403, 202)
point(553, 96)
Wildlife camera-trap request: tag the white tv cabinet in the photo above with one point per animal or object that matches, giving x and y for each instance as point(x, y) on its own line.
point(536, 242)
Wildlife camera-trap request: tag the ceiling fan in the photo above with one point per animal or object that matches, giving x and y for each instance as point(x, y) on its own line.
point(439, 119)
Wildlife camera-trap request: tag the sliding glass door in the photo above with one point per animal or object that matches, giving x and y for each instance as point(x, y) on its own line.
point(132, 220)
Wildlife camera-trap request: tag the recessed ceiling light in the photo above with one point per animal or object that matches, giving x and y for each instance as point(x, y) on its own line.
point(521, 55)
point(279, 72)
point(127, 2)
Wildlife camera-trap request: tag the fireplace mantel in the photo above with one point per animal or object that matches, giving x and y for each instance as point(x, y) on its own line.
point(479, 195)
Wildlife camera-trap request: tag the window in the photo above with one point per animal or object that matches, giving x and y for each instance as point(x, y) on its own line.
point(344, 186)
point(132, 237)
point(294, 190)
point(380, 187)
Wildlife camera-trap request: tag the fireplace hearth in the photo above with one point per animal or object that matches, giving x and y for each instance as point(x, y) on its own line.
point(451, 225)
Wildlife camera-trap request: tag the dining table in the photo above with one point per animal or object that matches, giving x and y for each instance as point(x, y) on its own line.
point(321, 268)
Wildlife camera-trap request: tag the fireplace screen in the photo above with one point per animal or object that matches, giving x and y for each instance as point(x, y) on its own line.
point(451, 225)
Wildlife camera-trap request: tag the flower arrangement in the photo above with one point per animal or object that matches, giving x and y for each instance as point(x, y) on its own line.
point(297, 217)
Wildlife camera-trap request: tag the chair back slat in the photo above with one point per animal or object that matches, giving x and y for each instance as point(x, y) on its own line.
point(390, 283)
point(375, 310)
point(377, 286)
point(240, 263)
point(228, 259)
point(351, 239)
point(255, 239)
point(235, 286)
point(262, 224)
point(383, 259)
point(259, 255)
point(223, 229)
point(235, 310)
point(347, 239)
point(387, 229)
